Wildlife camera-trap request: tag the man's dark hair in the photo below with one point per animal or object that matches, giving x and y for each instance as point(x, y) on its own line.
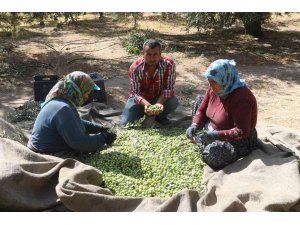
point(152, 43)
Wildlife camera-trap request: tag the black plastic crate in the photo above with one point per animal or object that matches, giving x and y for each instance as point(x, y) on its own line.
point(42, 84)
point(98, 96)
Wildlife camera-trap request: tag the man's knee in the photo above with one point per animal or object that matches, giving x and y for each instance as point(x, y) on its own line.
point(171, 104)
point(131, 112)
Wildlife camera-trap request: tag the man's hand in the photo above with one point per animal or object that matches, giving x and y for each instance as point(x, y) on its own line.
point(153, 110)
point(147, 111)
point(161, 108)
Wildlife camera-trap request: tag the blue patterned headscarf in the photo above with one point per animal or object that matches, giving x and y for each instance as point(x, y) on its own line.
point(224, 72)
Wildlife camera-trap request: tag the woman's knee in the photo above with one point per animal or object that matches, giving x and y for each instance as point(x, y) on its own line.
point(219, 154)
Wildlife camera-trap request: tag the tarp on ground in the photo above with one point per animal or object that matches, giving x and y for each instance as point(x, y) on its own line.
point(266, 180)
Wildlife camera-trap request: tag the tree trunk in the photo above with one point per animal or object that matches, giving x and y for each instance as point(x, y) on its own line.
point(72, 18)
point(101, 15)
point(13, 23)
point(198, 26)
point(254, 29)
point(135, 22)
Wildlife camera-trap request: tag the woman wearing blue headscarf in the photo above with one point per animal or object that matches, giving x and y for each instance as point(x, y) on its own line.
point(224, 119)
point(58, 129)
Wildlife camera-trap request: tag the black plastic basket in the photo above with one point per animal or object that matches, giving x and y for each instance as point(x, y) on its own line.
point(42, 84)
point(98, 96)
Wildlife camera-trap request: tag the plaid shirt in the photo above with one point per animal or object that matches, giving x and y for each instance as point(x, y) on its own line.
point(143, 86)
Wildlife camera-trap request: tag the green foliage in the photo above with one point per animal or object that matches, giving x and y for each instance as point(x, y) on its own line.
point(134, 43)
point(220, 20)
point(28, 111)
point(73, 17)
point(11, 21)
point(248, 18)
point(40, 17)
point(125, 16)
point(208, 20)
point(168, 15)
point(253, 21)
point(149, 162)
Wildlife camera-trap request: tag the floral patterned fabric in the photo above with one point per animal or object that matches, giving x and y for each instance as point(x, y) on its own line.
point(224, 72)
point(74, 87)
point(218, 154)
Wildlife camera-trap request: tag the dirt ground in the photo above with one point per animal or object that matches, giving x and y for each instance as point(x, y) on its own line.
point(270, 65)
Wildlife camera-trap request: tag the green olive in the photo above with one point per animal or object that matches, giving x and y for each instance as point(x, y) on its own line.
point(149, 162)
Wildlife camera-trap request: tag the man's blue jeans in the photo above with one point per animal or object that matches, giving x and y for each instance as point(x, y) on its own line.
point(133, 111)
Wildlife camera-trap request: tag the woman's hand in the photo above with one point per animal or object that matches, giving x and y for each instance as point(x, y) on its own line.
point(208, 137)
point(109, 137)
point(191, 131)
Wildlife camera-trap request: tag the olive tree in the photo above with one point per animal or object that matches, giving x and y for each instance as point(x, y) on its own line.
point(11, 21)
point(125, 16)
point(252, 21)
point(208, 20)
